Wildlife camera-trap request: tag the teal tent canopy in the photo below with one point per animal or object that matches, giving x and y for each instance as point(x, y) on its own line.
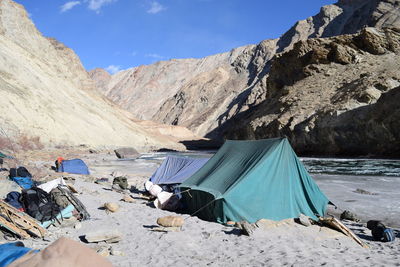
point(252, 180)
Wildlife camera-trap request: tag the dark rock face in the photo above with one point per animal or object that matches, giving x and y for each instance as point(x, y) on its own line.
point(333, 96)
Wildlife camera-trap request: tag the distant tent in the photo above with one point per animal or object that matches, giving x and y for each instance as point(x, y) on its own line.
point(76, 166)
point(251, 180)
point(175, 170)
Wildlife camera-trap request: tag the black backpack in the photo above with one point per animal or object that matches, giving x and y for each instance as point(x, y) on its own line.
point(39, 205)
point(20, 172)
point(380, 232)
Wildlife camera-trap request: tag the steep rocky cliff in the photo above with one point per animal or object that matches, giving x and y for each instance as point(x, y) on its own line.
point(203, 94)
point(46, 92)
point(332, 96)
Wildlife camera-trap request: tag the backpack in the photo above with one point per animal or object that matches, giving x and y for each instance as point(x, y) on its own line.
point(64, 197)
point(19, 172)
point(380, 232)
point(39, 205)
point(13, 198)
point(121, 181)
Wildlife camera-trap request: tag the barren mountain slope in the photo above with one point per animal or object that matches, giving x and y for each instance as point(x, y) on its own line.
point(46, 92)
point(143, 90)
point(203, 94)
point(337, 96)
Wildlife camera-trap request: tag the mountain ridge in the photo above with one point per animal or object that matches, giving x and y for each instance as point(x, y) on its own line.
point(248, 71)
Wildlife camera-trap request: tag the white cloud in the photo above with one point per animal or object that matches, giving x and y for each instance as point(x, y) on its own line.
point(69, 5)
point(113, 69)
point(134, 53)
point(155, 56)
point(96, 5)
point(155, 8)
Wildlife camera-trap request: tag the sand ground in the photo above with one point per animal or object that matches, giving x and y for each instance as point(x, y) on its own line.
point(204, 243)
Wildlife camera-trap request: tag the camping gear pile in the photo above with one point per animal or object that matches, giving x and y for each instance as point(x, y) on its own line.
point(37, 206)
point(163, 184)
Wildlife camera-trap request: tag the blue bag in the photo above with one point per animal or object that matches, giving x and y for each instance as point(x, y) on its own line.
point(24, 182)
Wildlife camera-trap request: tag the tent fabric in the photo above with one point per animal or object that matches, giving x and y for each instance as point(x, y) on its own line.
point(252, 180)
point(76, 166)
point(10, 252)
point(175, 170)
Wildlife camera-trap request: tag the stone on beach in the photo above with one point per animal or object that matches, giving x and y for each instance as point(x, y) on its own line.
point(107, 236)
point(348, 215)
point(126, 152)
point(110, 206)
point(170, 221)
point(128, 199)
point(304, 220)
point(103, 251)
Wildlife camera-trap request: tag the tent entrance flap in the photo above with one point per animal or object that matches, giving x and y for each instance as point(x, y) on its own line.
point(175, 170)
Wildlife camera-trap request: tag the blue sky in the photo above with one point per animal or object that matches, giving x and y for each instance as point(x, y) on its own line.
point(119, 34)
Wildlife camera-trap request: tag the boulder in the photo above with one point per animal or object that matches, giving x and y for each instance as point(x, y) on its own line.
point(113, 207)
point(304, 220)
point(247, 228)
point(126, 152)
point(348, 215)
point(170, 221)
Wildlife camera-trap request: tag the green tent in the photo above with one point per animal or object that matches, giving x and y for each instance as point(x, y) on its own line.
point(251, 180)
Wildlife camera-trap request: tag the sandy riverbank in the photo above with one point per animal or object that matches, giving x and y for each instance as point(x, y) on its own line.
point(205, 243)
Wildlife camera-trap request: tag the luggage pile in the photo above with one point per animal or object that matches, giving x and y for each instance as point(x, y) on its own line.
point(29, 211)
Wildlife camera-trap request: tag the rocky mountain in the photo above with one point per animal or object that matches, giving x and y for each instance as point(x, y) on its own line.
point(46, 92)
point(203, 94)
point(185, 92)
point(332, 96)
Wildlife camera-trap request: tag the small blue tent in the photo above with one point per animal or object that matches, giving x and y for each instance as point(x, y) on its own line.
point(76, 166)
point(175, 170)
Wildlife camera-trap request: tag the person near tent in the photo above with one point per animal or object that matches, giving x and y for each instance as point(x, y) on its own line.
point(58, 162)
